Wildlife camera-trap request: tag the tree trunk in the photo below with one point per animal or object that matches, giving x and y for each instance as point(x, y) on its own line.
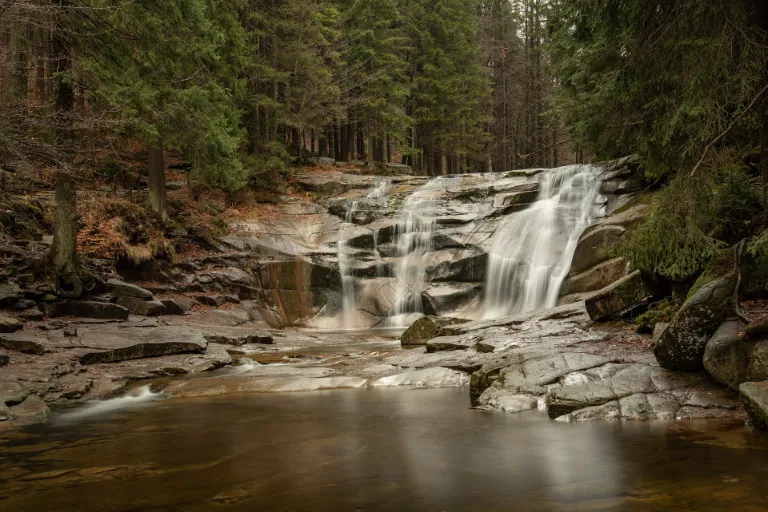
point(63, 250)
point(156, 168)
point(764, 150)
point(63, 255)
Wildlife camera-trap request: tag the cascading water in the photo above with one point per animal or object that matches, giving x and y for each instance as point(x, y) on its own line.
point(414, 236)
point(345, 268)
point(532, 249)
point(377, 197)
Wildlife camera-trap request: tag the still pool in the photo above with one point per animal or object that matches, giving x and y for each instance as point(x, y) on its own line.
point(368, 450)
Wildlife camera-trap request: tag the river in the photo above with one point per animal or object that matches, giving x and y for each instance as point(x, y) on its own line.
point(367, 450)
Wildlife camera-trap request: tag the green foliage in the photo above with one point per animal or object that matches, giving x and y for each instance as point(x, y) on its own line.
point(659, 78)
point(737, 199)
point(661, 312)
point(450, 85)
point(758, 246)
point(676, 239)
point(169, 69)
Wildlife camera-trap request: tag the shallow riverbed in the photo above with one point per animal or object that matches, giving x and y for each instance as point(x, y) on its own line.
point(372, 449)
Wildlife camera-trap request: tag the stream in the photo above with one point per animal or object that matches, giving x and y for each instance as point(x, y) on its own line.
point(384, 449)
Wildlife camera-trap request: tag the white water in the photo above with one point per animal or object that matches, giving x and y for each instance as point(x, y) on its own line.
point(136, 398)
point(377, 197)
point(532, 249)
point(414, 235)
point(345, 269)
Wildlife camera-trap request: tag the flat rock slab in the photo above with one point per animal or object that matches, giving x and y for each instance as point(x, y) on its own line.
point(31, 411)
point(24, 343)
point(614, 382)
point(448, 343)
point(661, 406)
point(92, 309)
point(239, 339)
point(755, 398)
point(121, 289)
point(109, 345)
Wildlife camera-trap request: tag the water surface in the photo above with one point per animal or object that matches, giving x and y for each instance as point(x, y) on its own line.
point(365, 450)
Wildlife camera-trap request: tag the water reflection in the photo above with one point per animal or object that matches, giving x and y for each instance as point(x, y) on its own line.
point(374, 450)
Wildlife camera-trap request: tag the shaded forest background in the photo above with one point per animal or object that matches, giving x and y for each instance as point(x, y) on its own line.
point(236, 92)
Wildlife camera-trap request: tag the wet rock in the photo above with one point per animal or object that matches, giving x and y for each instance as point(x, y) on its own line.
point(424, 329)
point(377, 296)
point(470, 269)
point(31, 411)
point(141, 307)
point(177, 305)
point(681, 345)
point(91, 309)
point(613, 382)
point(726, 355)
point(754, 395)
point(122, 289)
point(659, 406)
point(593, 247)
point(617, 298)
point(444, 298)
point(446, 343)
point(504, 400)
point(8, 324)
point(107, 345)
point(237, 340)
point(10, 293)
point(597, 277)
point(425, 378)
point(24, 343)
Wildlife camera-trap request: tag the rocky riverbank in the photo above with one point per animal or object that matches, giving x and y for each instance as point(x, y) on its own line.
point(231, 315)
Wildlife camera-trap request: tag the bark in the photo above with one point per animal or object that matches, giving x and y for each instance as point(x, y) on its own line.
point(63, 253)
point(156, 168)
point(763, 115)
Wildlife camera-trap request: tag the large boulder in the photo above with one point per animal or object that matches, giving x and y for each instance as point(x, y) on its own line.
point(754, 395)
point(681, 345)
point(597, 277)
point(726, 355)
point(593, 247)
point(424, 329)
point(617, 298)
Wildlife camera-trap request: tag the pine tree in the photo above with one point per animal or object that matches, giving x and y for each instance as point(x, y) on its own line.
point(449, 85)
point(170, 71)
point(375, 80)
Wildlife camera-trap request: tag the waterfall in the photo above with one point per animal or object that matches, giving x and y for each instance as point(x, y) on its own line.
point(376, 198)
point(532, 250)
point(345, 268)
point(414, 235)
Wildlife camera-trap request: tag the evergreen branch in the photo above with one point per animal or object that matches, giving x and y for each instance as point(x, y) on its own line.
point(728, 129)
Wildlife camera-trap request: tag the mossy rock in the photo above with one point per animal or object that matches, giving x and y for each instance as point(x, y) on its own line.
point(754, 395)
point(424, 329)
point(681, 346)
